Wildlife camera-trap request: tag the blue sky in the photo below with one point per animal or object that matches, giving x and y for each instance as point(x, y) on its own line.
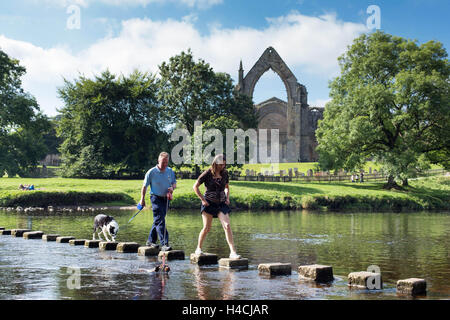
point(122, 35)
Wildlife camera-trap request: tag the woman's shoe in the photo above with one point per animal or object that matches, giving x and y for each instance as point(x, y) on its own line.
point(198, 251)
point(234, 255)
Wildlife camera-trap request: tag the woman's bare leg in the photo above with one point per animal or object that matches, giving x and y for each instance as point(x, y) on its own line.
point(207, 222)
point(225, 220)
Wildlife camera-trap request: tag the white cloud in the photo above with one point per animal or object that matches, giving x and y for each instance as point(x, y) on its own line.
point(319, 103)
point(307, 45)
point(202, 4)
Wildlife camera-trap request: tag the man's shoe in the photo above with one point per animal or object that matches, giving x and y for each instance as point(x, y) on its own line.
point(166, 248)
point(198, 251)
point(152, 245)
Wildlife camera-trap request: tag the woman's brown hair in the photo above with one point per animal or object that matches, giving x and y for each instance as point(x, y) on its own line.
point(219, 159)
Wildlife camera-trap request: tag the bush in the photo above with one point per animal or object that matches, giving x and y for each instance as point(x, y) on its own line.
point(43, 199)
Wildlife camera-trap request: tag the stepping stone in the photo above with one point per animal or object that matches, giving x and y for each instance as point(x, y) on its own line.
point(5, 232)
point(64, 239)
point(33, 235)
point(19, 232)
point(233, 263)
point(204, 258)
point(148, 251)
point(316, 272)
point(77, 242)
point(275, 269)
point(364, 279)
point(412, 286)
point(108, 245)
point(172, 254)
point(50, 237)
point(125, 247)
point(92, 243)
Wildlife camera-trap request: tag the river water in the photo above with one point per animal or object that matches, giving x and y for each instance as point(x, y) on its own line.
point(403, 245)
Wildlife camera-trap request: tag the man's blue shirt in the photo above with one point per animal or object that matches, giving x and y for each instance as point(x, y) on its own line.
point(159, 181)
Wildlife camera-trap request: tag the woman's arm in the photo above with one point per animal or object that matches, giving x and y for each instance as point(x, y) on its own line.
point(199, 194)
point(227, 193)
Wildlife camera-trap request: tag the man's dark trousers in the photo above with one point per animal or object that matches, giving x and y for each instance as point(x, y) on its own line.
point(159, 207)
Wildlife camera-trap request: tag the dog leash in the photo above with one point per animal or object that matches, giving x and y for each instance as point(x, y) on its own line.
point(140, 209)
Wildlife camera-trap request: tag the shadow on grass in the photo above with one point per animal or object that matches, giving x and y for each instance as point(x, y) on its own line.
point(274, 186)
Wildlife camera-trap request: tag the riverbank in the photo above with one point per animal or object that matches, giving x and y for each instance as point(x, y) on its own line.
point(423, 194)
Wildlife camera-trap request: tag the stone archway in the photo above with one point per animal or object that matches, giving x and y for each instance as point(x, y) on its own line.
point(296, 94)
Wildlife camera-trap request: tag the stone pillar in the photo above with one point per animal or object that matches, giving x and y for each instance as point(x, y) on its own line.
point(412, 286)
point(127, 247)
point(64, 239)
point(364, 279)
point(274, 269)
point(50, 237)
point(204, 258)
point(316, 272)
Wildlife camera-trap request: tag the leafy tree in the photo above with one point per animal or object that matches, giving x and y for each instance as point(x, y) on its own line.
point(110, 125)
point(391, 104)
point(192, 91)
point(50, 137)
point(21, 122)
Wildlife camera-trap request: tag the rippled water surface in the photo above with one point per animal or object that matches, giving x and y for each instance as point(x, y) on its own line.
point(402, 245)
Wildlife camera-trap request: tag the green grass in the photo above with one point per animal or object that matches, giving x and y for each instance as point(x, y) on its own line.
point(422, 194)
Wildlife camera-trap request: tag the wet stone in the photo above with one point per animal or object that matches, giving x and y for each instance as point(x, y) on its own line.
point(172, 254)
point(33, 235)
point(316, 272)
point(233, 263)
point(5, 232)
point(127, 247)
point(77, 242)
point(108, 245)
point(148, 251)
point(364, 279)
point(19, 232)
point(64, 239)
point(92, 243)
point(204, 258)
point(412, 286)
point(50, 237)
point(275, 269)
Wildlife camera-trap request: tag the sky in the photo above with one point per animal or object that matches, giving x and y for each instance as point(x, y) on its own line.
point(63, 39)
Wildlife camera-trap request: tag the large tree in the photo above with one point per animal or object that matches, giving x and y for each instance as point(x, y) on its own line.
point(110, 125)
point(21, 122)
point(191, 91)
point(391, 104)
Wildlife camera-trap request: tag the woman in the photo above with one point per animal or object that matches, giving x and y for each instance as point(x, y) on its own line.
point(215, 202)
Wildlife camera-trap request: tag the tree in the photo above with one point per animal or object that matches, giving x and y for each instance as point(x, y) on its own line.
point(21, 122)
point(191, 91)
point(391, 104)
point(110, 125)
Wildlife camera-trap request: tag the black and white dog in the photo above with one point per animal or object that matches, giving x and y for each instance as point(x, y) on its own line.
point(105, 224)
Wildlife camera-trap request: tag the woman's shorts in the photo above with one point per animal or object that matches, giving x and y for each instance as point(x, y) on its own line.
point(214, 208)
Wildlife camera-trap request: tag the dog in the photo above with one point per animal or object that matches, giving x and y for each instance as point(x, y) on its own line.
point(107, 225)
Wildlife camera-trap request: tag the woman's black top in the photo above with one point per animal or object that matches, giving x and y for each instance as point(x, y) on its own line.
point(214, 186)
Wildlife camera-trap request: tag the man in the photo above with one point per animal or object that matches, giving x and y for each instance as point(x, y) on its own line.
point(162, 180)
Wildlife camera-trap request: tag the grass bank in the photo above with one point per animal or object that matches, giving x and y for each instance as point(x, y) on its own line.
point(424, 194)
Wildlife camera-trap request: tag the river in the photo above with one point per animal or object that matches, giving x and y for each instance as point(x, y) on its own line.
point(401, 245)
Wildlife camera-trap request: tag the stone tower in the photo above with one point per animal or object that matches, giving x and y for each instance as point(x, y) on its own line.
point(294, 118)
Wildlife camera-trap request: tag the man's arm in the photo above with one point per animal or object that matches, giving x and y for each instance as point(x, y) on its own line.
point(143, 191)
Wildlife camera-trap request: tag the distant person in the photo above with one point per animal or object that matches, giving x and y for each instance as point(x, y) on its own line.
point(215, 202)
point(353, 178)
point(26, 187)
point(362, 177)
point(162, 181)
